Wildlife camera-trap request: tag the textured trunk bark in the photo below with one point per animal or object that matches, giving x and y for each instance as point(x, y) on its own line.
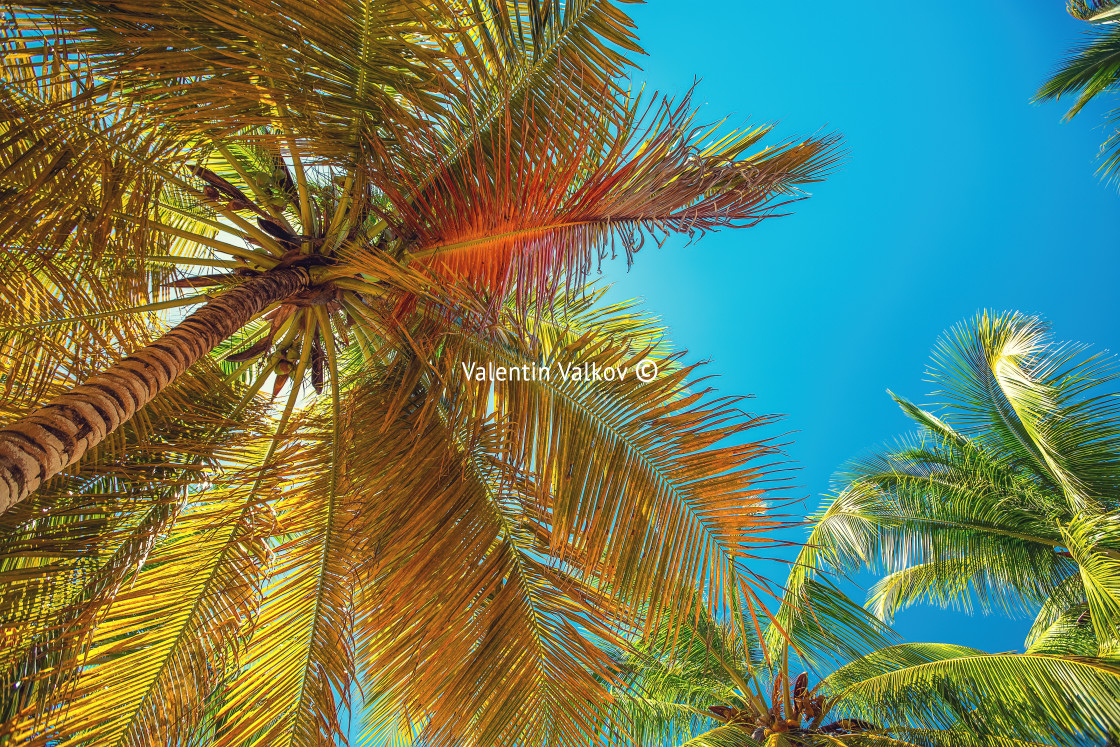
point(43, 443)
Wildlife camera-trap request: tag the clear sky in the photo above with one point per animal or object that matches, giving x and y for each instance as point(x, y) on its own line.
point(958, 195)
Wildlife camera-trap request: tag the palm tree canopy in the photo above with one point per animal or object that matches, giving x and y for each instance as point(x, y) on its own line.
point(413, 544)
point(387, 533)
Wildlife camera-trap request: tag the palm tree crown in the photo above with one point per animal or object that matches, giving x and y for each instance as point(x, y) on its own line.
point(361, 198)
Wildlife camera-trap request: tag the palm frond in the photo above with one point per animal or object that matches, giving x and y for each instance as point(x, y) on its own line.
point(1013, 696)
point(673, 676)
point(296, 671)
point(818, 620)
point(1087, 71)
point(454, 567)
point(995, 371)
point(1070, 634)
point(904, 694)
point(1094, 11)
point(563, 195)
point(654, 456)
point(167, 639)
point(558, 61)
point(328, 70)
point(1088, 539)
point(958, 582)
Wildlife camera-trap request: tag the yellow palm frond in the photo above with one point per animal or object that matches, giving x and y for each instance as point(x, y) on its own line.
point(168, 637)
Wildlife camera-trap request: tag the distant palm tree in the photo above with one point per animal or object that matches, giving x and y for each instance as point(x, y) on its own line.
point(1006, 498)
point(708, 684)
point(1091, 69)
point(366, 198)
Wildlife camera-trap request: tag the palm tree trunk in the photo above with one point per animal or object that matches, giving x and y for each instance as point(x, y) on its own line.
point(43, 443)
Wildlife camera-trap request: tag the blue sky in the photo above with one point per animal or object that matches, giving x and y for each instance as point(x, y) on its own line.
point(958, 194)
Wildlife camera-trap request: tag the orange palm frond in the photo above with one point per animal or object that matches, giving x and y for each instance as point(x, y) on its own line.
point(533, 200)
point(652, 484)
point(464, 622)
point(604, 501)
point(441, 570)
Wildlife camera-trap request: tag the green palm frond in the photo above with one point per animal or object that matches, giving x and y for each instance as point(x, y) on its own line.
point(820, 623)
point(1070, 633)
point(954, 737)
point(942, 582)
point(1087, 71)
point(1094, 11)
point(972, 525)
point(1006, 382)
point(1021, 696)
point(1089, 540)
point(722, 736)
point(902, 694)
point(1091, 69)
point(815, 617)
point(675, 675)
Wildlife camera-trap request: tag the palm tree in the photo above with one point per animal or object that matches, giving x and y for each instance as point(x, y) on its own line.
point(426, 146)
point(717, 688)
point(1005, 499)
point(1090, 70)
point(365, 198)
